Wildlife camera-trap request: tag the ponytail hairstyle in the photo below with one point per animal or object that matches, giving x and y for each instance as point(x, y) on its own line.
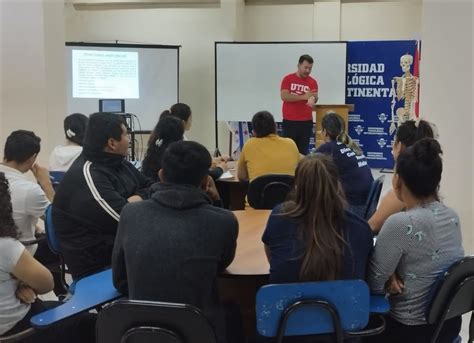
point(75, 127)
point(318, 205)
point(7, 227)
point(411, 131)
point(420, 167)
point(335, 128)
point(179, 110)
point(168, 130)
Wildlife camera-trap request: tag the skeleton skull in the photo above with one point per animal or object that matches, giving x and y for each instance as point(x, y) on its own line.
point(405, 62)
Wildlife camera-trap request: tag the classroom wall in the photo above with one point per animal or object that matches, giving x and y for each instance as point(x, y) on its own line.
point(446, 99)
point(381, 20)
point(197, 27)
point(32, 70)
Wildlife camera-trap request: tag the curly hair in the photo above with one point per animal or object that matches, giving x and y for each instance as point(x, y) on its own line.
point(7, 225)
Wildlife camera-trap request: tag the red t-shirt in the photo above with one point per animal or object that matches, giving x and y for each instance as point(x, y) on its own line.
point(298, 110)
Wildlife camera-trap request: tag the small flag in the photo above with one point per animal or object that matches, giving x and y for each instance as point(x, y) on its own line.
point(240, 134)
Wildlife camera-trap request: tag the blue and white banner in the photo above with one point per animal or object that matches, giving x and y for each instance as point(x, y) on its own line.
point(382, 83)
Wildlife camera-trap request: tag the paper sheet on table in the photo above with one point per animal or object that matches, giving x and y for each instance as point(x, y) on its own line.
point(227, 175)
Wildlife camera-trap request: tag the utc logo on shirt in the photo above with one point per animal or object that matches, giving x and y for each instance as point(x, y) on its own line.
point(300, 89)
point(382, 142)
point(359, 129)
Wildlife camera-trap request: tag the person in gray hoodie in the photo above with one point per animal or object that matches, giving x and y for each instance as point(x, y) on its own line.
point(173, 246)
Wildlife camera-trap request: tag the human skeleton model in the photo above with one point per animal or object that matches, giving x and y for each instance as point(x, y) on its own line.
point(404, 88)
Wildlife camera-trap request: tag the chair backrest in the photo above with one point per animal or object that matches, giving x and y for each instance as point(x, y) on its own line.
point(373, 197)
point(455, 293)
point(349, 298)
point(51, 237)
point(132, 321)
point(267, 191)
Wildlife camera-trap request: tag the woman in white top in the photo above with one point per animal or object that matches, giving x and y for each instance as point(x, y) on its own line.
point(22, 278)
point(63, 156)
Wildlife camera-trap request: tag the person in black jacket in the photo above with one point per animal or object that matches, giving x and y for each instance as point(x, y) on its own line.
point(172, 247)
point(90, 198)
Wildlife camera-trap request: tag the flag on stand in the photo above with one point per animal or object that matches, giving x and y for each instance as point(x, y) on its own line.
point(240, 134)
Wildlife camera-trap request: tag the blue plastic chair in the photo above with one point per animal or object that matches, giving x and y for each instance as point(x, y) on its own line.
point(373, 197)
point(316, 308)
point(91, 292)
point(55, 247)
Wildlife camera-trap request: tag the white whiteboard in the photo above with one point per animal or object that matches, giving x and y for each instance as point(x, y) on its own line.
point(158, 68)
point(248, 75)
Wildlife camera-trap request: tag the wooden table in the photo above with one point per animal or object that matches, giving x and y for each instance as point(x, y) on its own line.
point(250, 269)
point(250, 258)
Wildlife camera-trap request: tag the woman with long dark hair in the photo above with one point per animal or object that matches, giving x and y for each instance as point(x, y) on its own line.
point(415, 247)
point(22, 279)
point(312, 237)
point(168, 130)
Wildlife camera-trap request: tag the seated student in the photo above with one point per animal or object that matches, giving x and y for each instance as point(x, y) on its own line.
point(312, 237)
point(354, 172)
point(183, 112)
point(168, 130)
point(22, 278)
point(415, 247)
point(87, 206)
point(407, 134)
point(183, 240)
point(266, 152)
point(30, 199)
point(63, 156)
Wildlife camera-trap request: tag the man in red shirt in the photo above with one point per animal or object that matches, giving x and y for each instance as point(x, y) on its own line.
point(299, 92)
